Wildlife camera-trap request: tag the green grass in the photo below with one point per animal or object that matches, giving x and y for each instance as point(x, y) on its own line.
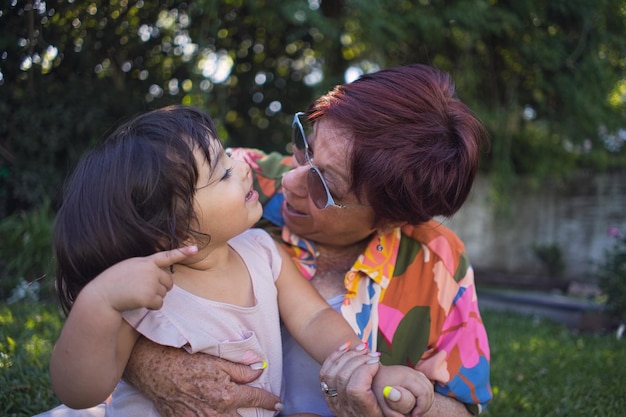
point(27, 334)
point(543, 369)
point(538, 368)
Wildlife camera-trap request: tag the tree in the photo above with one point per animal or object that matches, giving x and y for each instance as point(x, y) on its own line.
point(73, 69)
point(547, 78)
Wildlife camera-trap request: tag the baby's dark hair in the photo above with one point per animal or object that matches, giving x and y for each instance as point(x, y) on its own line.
point(131, 196)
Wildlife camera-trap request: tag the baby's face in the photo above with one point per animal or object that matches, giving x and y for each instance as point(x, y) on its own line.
point(225, 201)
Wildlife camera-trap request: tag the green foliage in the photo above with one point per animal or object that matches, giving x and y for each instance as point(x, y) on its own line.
point(26, 249)
point(27, 334)
point(80, 70)
point(543, 369)
point(611, 276)
point(547, 78)
point(551, 256)
point(540, 74)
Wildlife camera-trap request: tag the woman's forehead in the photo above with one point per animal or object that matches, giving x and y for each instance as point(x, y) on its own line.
point(331, 147)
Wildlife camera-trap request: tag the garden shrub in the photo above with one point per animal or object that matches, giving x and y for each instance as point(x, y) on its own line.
point(26, 250)
point(611, 276)
point(551, 256)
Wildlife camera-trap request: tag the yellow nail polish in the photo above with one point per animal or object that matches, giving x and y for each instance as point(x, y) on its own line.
point(391, 393)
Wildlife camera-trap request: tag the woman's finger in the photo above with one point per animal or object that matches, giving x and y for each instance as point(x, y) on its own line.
point(337, 373)
point(340, 356)
point(399, 399)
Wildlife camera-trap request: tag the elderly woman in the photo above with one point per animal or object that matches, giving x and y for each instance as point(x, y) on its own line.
point(355, 206)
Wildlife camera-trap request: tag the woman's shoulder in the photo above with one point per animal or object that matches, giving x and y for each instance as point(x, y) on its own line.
point(431, 233)
point(431, 243)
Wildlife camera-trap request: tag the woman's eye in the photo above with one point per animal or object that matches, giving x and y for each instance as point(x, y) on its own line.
point(227, 174)
point(311, 150)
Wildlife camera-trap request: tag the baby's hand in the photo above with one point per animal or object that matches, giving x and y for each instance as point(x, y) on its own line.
point(402, 390)
point(137, 282)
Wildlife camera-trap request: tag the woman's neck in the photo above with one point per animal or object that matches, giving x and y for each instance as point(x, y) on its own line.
point(340, 259)
point(332, 265)
point(329, 254)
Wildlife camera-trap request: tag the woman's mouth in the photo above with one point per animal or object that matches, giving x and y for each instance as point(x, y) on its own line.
point(291, 210)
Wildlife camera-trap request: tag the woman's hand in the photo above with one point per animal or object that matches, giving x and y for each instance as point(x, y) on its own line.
point(402, 390)
point(351, 373)
point(367, 389)
point(193, 385)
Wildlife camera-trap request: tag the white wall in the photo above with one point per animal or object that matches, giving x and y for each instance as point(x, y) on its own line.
point(575, 215)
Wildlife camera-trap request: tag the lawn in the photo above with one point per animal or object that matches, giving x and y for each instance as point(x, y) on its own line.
point(543, 369)
point(538, 368)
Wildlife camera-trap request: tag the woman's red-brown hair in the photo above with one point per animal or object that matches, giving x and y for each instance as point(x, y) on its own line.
point(416, 146)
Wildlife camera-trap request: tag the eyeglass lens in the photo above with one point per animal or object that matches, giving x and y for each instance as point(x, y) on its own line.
point(317, 187)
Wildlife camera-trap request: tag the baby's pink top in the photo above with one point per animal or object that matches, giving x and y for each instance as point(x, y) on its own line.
point(239, 334)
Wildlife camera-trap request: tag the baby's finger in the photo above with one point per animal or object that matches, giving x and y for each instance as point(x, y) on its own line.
point(167, 282)
point(156, 303)
point(169, 257)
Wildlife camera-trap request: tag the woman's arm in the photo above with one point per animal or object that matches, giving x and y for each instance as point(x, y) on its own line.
point(447, 407)
point(194, 385)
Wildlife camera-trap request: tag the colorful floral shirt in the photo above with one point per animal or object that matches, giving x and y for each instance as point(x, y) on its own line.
point(411, 295)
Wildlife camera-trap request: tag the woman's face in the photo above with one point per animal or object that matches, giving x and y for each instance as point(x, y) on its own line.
point(330, 147)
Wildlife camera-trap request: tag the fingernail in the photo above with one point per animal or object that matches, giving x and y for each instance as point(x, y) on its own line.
point(374, 354)
point(259, 365)
point(391, 393)
point(278, 407)
point(373, 361)
point(361, 347)
point(344, 347)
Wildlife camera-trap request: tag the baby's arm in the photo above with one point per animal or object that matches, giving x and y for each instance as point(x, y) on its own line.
point(94, 346)
point(317, 327)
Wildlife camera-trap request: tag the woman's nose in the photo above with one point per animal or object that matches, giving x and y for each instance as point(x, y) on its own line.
point(295, 181)
point(294, 161)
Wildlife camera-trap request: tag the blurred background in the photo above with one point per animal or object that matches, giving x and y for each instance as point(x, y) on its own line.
point(548, 79)
point(545, 225)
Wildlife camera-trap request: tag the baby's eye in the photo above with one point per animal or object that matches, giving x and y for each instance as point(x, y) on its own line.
point(227, 174)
